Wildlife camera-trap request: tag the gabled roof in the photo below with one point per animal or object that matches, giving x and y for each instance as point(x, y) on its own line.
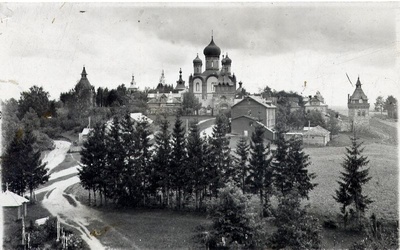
point(318, 130)
point(246, 116)
point(258, 100)
point(10, 199)
point(86, 131)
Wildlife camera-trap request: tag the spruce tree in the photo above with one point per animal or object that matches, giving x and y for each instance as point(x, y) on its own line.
point(115, 162)
point(178, 159)
point(196, 164)
point(93, 159)
point(280, 165)
point(260, 177)
point(161, 161)
point(35, 172)
point(352, 180)
point(242, 168)
point(220, 155)
point(12, 171)
point(143, 156)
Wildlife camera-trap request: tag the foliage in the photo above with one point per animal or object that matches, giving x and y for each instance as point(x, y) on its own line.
point(391, 106)
point(314, 118)
point(379, 104)
point(233, 220)
point(296, 228)
point(190, 103)
point(10, 121)
point(333, 123)
point(242, 168)
point(220, 158)
point(260, 172)
point(378, 236)
point(36, 97)
point(351, 181)
point(22, 167)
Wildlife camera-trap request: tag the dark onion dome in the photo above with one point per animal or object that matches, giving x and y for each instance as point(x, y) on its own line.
point(223, 61)
point(212, 49)
point(227, 59)
point(197, 60)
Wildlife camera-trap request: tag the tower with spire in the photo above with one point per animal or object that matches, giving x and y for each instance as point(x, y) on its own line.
point(358, 107)
point(84, 90)
point(180, 84)
point(215, 87)
point(132, 87)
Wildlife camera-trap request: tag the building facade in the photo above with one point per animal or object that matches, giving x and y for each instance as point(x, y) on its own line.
point(215, 87)
point(358, 107)
point(315, 103)
point(250, 111)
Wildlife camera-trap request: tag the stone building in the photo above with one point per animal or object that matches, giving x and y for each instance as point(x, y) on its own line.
point(358, 107)
point(85, 91)
point(215, 87)
point(315, 103)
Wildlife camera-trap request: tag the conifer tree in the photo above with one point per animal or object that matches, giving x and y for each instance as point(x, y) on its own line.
point(115, 161)
point(178, 158)
point(260, 177)
point(161, 161)
point(221, 161)
point(280, 164)
point(298, 179)
point(22, 168)
point(143, 156)
point(36, 173)
point(196, 164)
point(93, 159)
point(352, 180)
point(242, 168)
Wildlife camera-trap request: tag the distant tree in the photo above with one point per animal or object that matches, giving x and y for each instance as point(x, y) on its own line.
point(190, 103)
point(178, 159)
point(391, 106)
point(379, 104)
point(22, 168)
point(31, 120)
point(280, 164)
point(36, 97)
point(352, 180)
point(296, 119)
point(242, 152)
point(314, 118)
point(260, 171)
point(10, 121)
point(333, 123)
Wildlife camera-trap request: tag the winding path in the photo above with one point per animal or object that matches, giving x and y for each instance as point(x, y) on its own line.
point(72, 212)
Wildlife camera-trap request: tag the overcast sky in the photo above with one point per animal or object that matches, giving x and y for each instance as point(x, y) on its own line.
point(280, 45)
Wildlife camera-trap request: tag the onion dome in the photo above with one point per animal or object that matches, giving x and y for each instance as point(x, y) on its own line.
point(212, 49)
point(223, 61)
point(197, 60)
point(228, 60)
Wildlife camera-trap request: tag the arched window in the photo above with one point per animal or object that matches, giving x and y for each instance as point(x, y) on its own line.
point(197, 86)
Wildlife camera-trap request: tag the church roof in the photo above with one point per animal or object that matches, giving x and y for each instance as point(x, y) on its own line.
point(212, 49)
point(83, 82)
point(358, 92)
point(180, 84)
point(227, 59)
point(197, 60)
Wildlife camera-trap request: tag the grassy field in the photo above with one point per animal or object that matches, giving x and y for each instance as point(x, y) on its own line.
point(382, 188)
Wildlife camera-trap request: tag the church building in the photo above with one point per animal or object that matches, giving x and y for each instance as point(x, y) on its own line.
point(215, 87)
